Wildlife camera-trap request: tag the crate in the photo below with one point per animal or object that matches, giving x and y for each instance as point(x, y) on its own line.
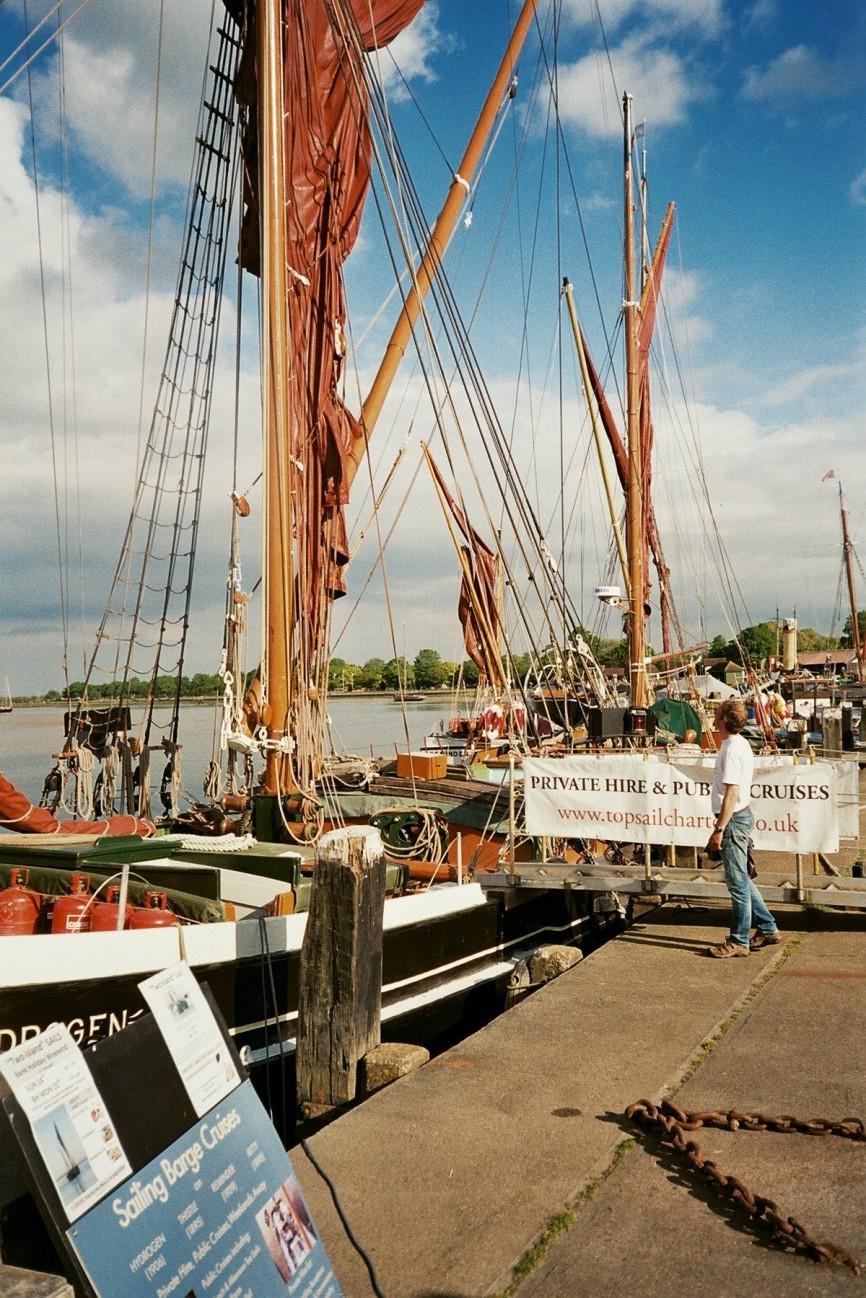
point(422, 766)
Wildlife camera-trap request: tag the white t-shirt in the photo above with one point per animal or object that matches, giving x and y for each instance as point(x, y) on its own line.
point(735, 764)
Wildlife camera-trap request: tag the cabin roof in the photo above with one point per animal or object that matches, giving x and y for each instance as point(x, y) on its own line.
point(819, 657)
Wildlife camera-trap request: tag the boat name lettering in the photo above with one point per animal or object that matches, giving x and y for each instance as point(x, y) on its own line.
point(84, 1031)
point(147, 1252)
point(222, 1178)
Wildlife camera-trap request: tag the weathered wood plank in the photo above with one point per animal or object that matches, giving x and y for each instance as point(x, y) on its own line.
point(341, 966)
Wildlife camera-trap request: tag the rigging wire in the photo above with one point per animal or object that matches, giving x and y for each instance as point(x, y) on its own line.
point(32, 55)
point(45, 339)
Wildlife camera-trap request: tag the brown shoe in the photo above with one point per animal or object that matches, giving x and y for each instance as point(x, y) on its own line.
point(760, 939)
point(725, 950)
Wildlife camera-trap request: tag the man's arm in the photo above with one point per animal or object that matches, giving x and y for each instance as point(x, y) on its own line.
point(729, 803)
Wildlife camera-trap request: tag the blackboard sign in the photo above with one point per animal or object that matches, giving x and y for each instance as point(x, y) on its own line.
point(144, 1191)
point(219, 1214)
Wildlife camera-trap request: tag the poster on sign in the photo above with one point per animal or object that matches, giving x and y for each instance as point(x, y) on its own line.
point(637, 798)
point(192, 1034)
point(219, 1212)
point(74, 1133)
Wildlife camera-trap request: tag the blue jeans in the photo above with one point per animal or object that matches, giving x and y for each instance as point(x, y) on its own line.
point(747, 904)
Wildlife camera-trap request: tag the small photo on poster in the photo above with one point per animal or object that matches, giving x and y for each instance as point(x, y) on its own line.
point(64, 1154)
point(286, 1228)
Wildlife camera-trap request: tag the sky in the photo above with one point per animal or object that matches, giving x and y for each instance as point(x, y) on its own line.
point(753, 127)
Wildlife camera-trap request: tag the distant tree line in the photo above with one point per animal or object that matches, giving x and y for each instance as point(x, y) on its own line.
point(429, 671)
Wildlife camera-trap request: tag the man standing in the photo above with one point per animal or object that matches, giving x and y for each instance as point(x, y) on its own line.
point(732, 783)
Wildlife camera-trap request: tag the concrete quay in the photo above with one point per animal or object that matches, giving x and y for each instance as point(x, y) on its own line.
point(511, 1151)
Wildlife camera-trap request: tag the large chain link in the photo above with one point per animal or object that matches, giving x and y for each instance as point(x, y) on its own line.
point(675, 1123)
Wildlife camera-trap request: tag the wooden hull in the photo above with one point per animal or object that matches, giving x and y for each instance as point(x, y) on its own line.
point(448, 953)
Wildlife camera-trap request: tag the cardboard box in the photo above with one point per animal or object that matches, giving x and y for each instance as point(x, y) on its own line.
point(422, 766)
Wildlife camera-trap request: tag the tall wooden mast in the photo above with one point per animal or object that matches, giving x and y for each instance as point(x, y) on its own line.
point(278, 557)
point(848, 552)
point(634, 502)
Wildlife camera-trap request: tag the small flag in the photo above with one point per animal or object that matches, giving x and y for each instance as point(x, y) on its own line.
point(830, 474)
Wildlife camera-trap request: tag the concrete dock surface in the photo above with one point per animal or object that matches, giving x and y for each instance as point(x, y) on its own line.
point(452, 1175)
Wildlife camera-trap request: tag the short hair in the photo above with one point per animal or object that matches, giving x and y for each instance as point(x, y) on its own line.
point(733, 716)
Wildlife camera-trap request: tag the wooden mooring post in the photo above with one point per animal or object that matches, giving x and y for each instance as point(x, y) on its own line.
point(341, 968)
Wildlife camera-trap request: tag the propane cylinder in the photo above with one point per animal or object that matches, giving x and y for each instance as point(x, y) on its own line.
point(154, 913)
point(20, 908)
point(104, 913)
point(73, 911)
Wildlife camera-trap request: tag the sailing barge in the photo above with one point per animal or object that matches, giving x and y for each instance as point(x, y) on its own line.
point(235, 903)
point(291, 85)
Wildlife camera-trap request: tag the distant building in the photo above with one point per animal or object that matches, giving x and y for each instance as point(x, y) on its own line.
point(829, 662)
point(725, 670)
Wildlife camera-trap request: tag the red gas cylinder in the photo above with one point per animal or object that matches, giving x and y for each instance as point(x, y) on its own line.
point(105, 912)
point(20, 908)
point(73, 912)
point(154, 913)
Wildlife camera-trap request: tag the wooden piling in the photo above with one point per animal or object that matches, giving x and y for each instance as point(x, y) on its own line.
point(832, 733)
point(341, 968)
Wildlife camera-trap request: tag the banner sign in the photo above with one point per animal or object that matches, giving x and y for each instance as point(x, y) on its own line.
point(633, 798)
point(219, 1214)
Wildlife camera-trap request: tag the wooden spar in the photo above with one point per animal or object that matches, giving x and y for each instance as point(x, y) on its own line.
point(634, 503)
point(596, 432)
point(439, 238)
point(278, 582)
point(679, 653)
point(848, 551)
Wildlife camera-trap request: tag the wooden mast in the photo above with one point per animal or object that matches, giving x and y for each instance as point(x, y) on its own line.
point(441, 234)
point(278, 557)
point(634, 502)
point(848, 551)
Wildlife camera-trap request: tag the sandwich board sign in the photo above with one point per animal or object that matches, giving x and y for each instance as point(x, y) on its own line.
point(155, 1167)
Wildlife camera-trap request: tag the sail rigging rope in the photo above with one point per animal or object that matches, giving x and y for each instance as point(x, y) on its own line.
point(33, 55)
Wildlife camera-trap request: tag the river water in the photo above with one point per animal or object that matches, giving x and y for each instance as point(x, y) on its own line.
point(360, 724)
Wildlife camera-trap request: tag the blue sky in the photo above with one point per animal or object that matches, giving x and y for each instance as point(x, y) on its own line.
point(753, 127)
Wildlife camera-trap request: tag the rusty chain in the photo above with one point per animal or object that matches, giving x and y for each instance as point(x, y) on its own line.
point(675, 1123)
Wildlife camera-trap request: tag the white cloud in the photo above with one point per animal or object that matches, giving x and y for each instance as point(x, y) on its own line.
point(412, 52)
point(798, 385)
point(110, 75)
point(84, 437)
point(705, 15)
point(858, 190)
point(683, 291)
point(656, 78)
point(798, 73)
point(762, 12)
